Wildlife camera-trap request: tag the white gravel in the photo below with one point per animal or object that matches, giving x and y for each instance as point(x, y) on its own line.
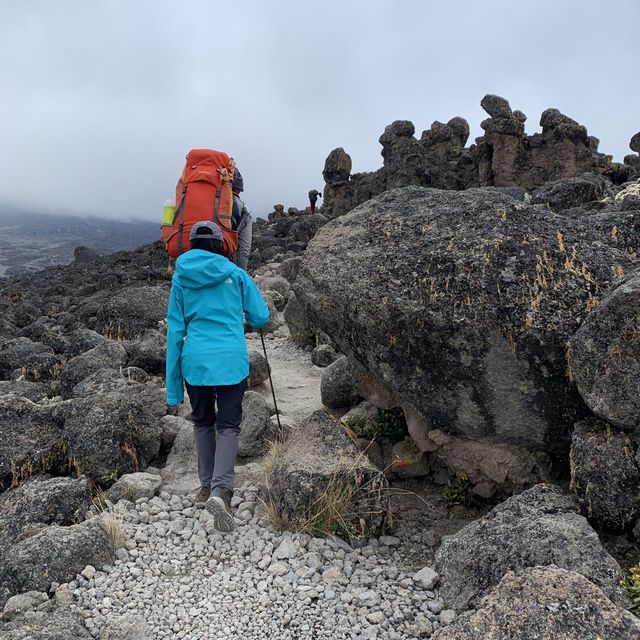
point(189, 581)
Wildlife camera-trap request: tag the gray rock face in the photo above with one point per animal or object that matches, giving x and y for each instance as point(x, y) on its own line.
point(339, 384)
point(106, 355)
point(470, 299)
point(258, 369)
point(289, 269)
point(34, 391)
point(30, 440)
point(114, 432)
point(129, 313)
point(149, 353)
point(296, 320)
point(548, 603)
point(324, 355)
point(132, 486)
point(33, 360)
point(61, 501)
point(54, 554)
point(180, 474)
point(539, 527)
point(255, 430)
point(82, 340)
point(570, 192)
point(604, 356)
point(317, 463)
point(45, 625)
point(128, 627)
point(605, 474)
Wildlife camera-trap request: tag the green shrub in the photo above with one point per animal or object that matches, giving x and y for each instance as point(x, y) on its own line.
point(387, 424)
point(457, 491)
point(631, 585)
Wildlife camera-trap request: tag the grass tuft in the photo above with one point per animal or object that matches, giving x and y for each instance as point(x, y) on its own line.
point(631, 586)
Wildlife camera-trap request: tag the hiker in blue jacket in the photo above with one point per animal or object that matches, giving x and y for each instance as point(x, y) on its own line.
point(210, 297)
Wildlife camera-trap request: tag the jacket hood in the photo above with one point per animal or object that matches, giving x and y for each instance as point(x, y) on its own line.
point(198, 269)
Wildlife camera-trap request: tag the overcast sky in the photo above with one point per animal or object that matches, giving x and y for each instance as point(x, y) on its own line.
point(101, 99)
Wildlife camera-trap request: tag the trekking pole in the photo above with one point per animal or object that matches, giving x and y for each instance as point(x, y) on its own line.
point(273, 393)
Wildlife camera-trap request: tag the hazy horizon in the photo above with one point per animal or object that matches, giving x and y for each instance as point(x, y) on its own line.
point(102, 101)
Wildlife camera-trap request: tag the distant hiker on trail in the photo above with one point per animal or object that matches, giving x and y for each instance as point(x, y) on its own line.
point(313, 198)
point(242, 216)
point(206, 348)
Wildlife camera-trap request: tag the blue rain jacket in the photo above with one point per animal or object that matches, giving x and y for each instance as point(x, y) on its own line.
point(210, 296)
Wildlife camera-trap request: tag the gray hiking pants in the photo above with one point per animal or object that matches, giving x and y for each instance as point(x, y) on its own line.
point(216, 432)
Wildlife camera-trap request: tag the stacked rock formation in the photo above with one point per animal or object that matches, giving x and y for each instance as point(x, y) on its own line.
point(504, 157)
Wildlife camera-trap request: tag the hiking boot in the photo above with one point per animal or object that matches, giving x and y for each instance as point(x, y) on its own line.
point(203, 496)
point(220, 508)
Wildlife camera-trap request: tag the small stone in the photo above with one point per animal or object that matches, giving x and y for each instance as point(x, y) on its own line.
point(390, 541)
point(376, 617)
point(88, 572)
point(447, 617)
point(287, 549)
point(426, 578)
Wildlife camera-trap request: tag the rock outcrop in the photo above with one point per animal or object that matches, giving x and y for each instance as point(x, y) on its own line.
point(539, 527)
point(605, 474)
point(317, 474)
point(462, 303)
point(605, 356)
point(504, 157)
point(547, 603)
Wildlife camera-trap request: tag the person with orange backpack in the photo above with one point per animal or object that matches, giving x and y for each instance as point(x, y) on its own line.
point(242, 218)
point(206, 349)
point(203, 192)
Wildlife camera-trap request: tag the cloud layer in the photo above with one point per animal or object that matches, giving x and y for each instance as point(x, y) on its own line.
point(102, 100)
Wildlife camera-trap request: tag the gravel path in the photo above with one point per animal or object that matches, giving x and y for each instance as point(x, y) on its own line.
point(190, 581)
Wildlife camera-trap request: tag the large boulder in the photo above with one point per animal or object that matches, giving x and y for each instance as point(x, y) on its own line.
point(296, 320)
point(318, 472)
point(570, 192)
point(60, 624)
point(131, 311)
point(133, 486)
point(605, 474)
point(32, 360)
point(339, 384)
point(34, 391)
point(255, 431)
point(107, 354)
point(55, 554)
point(604, 356)
point(61, 501)
point(180, 474)
point(82, 340)
point(547, 603)
point(462, 303)
point(30, 440)
point(258, 369)
point(539, 527)
point(114, 432)
point(150, 353)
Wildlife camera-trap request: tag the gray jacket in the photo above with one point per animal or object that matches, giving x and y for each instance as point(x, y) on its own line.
point(245, 231)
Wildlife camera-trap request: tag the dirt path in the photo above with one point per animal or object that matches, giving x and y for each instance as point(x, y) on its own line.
point(295, 378)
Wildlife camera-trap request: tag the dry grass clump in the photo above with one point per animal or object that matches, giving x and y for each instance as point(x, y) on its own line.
point(110, 519)
point(340, 509)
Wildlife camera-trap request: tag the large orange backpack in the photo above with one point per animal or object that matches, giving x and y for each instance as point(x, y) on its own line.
point(203, 193)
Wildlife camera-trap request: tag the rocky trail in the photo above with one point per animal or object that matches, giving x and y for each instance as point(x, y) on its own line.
point(187, 580)
point(455, 351)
